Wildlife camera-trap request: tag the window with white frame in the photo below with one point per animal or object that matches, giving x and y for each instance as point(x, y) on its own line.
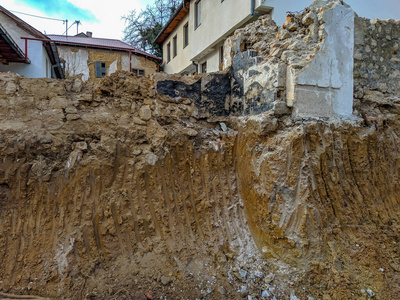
point(138, 71)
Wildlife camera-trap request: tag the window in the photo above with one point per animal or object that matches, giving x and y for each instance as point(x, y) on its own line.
point(185, 35)
point(221, 54)
point(197, 16)
point(169, 52)
point(138, 72)
point(174, 45)
point(204, 67)
point(100, 69)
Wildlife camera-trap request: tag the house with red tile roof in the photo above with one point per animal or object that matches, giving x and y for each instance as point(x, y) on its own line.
point(25, 50)
point(92, 58)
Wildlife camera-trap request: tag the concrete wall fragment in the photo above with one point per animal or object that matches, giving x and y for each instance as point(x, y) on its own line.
point(324, 87)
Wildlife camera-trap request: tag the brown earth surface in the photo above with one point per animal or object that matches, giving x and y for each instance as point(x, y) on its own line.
point(112, 191)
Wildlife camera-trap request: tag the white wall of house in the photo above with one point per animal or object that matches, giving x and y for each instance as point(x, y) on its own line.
point(181, 60)
point(39, 66)
point(218, 20)
point(213, 59)
point(75, 61)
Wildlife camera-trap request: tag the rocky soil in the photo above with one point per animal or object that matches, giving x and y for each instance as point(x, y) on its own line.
point(112, 191)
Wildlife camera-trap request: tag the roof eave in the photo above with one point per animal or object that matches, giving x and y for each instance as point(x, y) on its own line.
point(63, 43)
point(9, 40)
point(182, 6)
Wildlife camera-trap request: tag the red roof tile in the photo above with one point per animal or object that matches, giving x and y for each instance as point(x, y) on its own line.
point(98, 43)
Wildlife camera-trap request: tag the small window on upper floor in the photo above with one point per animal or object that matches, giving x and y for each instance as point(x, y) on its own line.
point(204, 67)
point(175, 45)
point(138, 72)
point(197, 16)
point(221, 57)
point(168, 52)
point(101, 70)
point(185, 35)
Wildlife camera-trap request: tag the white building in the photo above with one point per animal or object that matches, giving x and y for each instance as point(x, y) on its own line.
point(192, 39)
point(25, 50)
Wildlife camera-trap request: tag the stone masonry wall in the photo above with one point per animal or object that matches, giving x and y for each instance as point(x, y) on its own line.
point(376, 57)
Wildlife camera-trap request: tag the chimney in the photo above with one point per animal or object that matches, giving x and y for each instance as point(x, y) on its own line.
point(89, 34)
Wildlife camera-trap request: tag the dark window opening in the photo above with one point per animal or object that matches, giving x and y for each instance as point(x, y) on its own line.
point(185, 35)
point(169, 52)
point(174, 45)
point(197, 11)
point(204, 67)
point(101, 70)
point(138, 72)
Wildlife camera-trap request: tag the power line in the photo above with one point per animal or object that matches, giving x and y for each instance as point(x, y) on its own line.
point(18, 12)
point(77, 24)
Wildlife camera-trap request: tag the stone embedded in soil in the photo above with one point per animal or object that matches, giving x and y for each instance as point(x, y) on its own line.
point(243, 273)
point(145, 112)
point(165, 280)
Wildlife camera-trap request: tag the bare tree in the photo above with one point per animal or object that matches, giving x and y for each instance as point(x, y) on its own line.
point(141, 28)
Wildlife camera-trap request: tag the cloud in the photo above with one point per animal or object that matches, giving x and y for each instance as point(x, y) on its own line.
point(60, 8)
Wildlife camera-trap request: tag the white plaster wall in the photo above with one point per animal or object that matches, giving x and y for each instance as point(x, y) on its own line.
point(218, 20)
point(76, 63)
point(36, 52)
point(324, 88)
point(113, 67)
point(212, 59)
point(181, 60)
point(125, 62)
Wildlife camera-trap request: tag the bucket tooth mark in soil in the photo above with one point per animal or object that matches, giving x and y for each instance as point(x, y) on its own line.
point(114, 213)
point(150, 198)
point(142, 211)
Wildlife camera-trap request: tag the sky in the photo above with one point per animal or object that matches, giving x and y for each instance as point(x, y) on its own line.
point(103, 17)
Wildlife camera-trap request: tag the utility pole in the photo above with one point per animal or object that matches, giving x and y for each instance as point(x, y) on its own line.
point(77, 26)
point(66, 27)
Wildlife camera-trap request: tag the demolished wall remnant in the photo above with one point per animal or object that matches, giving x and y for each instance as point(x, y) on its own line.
point(311, 60)
point(324, 87)
point(307, 65)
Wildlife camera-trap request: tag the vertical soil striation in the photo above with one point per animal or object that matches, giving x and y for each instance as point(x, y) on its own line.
point(111, 192)
point(324, 197)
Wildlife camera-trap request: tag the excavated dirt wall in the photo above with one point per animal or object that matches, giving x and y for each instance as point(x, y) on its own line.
point(113, 191)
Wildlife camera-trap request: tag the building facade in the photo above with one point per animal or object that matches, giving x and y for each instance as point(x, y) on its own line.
point(25, 50)
point(93, 58)
point(208, 23)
